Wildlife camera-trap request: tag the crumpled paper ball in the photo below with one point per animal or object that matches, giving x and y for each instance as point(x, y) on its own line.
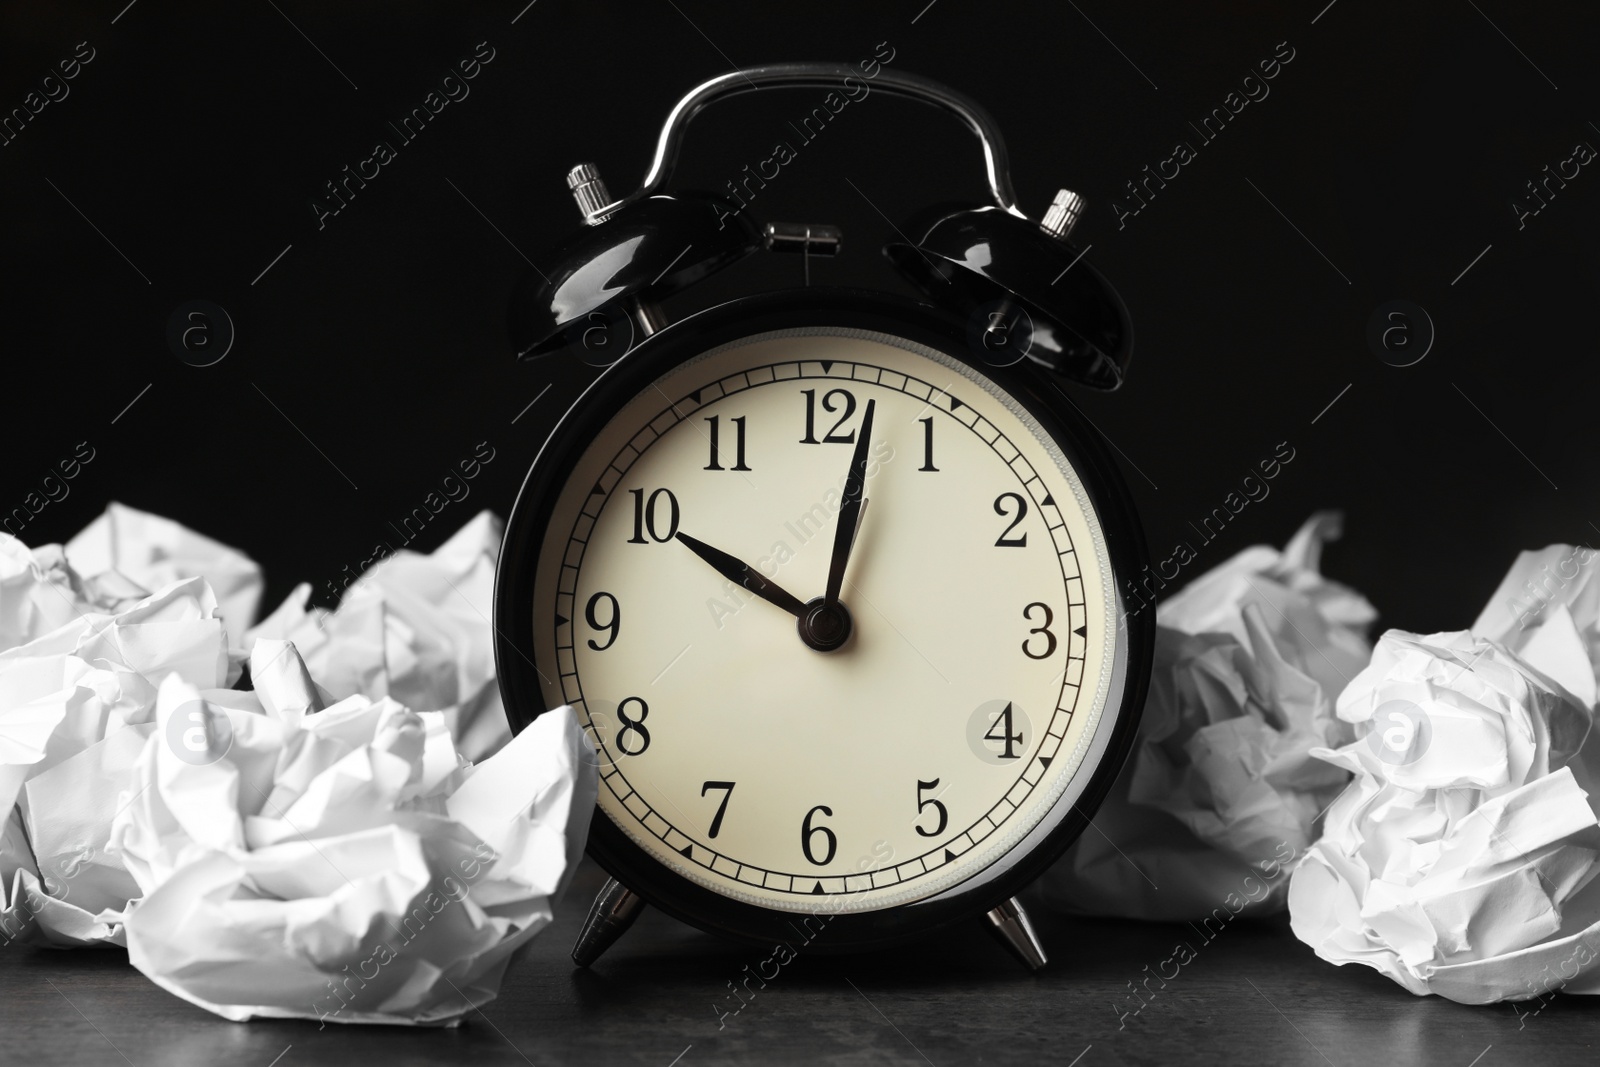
point(275, 852)
point(77, 696)
point(154, 552)
point(1221, 792)
point(1318, 625)
point(1461, 859)
point(1547, 610)
point(413, 627)
point(40, 591)
point(345, 864)
point(89, 630)
point(76, 706)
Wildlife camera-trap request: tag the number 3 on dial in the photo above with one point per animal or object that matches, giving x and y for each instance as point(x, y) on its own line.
point(1043, 630)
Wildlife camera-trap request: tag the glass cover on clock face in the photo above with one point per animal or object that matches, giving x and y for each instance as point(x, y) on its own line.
point(978, 624)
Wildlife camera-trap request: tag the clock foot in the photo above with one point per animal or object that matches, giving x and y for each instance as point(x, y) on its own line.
point(1010, 924)
point(613, 911)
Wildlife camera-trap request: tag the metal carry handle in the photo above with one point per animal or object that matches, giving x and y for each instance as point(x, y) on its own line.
point(791, 75)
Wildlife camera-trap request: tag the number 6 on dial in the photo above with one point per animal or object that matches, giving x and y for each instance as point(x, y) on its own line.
point(806, 832)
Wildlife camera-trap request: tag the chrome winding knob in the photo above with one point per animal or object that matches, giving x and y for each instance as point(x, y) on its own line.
point(1065, 211)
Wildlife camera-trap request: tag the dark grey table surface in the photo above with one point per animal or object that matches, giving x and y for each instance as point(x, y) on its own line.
point(1253, 995)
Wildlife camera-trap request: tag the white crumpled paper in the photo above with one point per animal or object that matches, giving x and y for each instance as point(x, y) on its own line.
point(76, 706)
point(276, 852)
point(413, 627)
point(342, 864)
point(153, 552)
point(1547, 610)
point(86, 632)
point(1318, 625)
point(40, 591)
point(1221, 792)
point(1461, 859)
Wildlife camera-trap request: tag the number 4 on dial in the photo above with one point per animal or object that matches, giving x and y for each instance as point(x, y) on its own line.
point(1002, 722)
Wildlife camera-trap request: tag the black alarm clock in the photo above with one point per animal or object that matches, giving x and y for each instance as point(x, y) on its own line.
point(832, 578)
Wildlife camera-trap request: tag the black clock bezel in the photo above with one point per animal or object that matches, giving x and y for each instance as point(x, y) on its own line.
point(692, 336)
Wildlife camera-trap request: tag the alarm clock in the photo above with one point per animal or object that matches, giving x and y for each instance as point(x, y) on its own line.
point(832, 578)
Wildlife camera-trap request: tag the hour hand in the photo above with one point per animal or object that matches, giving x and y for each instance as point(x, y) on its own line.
point(741, 573)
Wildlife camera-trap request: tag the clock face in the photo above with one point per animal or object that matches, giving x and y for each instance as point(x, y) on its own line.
point(978, 623)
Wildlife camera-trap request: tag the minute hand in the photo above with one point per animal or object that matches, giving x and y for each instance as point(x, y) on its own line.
point(855, 487)
point(736, 570)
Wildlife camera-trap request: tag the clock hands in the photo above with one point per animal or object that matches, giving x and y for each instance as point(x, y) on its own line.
point(824, 623)
point(741, 573)
point(855, 485)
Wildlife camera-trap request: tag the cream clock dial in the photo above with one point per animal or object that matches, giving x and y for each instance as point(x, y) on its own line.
point(776, 744)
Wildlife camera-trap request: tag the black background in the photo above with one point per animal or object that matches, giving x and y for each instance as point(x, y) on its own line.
point(1395, 141)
